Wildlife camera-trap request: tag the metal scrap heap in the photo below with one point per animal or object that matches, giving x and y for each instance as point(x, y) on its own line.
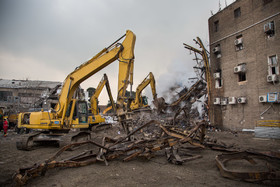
point(169, 139)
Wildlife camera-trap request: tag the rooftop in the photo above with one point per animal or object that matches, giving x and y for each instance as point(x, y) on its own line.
point(6, 83)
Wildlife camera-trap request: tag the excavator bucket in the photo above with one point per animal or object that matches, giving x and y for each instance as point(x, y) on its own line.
point(160, 104)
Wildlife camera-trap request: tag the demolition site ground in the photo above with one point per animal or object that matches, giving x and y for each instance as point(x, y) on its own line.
point(137, 172)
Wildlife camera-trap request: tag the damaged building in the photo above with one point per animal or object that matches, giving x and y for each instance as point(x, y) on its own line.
point(244, 44)
point(24, 95)
point(31, 95)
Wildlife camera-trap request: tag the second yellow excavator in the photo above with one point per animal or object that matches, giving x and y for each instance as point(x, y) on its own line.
point(96, 118)
point(141, 101)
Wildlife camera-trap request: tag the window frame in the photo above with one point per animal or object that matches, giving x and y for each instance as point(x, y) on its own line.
point(216, 26)
point(273, 69)
point(237, 12)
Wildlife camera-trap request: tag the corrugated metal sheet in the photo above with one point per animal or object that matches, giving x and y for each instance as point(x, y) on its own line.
point(267, 132)
point(268, 129)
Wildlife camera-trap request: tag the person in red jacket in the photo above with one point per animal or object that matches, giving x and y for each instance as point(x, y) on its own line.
point(5, 127)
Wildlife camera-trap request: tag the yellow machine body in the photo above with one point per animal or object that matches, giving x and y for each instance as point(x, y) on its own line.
point(138, 102)
point(71, 113)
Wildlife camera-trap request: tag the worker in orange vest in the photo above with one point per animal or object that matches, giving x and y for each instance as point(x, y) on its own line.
point(5, 127)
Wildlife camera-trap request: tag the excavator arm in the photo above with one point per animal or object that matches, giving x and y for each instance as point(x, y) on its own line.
point(137, 102)
point(65, 109)
point(123, 52)
point(94, 98)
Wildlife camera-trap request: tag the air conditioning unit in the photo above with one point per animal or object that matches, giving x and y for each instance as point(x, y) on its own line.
point(224, 101)
point(217, 75)
point(238, 41)
point(272, 78)
point(240, 68)
point(242, 100)
point(216, 50)
point(262, 98)
point(217, 101)
point(268, 27)
point(232, 100)
point(272, 97)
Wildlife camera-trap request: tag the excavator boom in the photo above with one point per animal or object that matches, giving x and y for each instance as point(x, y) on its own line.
point(62, 117)
point(96, 118)
point(137, 102)
point(94, 99)
point(72, 113)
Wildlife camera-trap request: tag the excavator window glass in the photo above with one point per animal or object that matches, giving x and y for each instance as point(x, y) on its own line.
point(145, 100)
point(82, 112)
point(69, 109)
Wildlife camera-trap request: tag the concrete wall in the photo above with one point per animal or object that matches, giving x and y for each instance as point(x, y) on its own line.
point(257, 47)
point(26, 98)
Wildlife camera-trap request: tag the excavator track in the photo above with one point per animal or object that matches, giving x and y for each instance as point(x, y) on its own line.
point(29, 142)
point(26, 142)
point(74, 138)
point(101, 127)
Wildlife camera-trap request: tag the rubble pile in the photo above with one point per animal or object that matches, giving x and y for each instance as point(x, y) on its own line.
point(166, 138)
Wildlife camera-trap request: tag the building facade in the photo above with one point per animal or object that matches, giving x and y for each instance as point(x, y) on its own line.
point(244, 63)
point(24, 95)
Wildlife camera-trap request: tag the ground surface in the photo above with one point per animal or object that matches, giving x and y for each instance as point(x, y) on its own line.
point(138, 172)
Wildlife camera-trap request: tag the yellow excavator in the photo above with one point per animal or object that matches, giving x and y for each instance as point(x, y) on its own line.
point(141, 101)
point(71, 113)
point(96, 119)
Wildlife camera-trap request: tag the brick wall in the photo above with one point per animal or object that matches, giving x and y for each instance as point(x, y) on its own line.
point(257, 47)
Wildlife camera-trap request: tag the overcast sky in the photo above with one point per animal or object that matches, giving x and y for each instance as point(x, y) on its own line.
point(48, 39)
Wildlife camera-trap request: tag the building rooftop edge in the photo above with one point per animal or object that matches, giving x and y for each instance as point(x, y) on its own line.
point(223, 9)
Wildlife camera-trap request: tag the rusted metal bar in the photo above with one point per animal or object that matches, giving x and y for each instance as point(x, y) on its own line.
point(136, 130)
point(111, 149)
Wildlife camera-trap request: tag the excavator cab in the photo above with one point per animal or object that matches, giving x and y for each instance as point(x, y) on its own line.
point(144, 101)
point(77, 111)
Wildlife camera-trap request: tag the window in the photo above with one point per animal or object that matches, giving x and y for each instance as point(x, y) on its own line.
point(218, 83)
point(273, 65)
point(238, 42)
point(218, 79)
point(217, 51)
point(237, 12)
point(4, 95)
point(269, 29)
point(216, 26)
point(240, 70)
point(266, 2)
point(241, 76)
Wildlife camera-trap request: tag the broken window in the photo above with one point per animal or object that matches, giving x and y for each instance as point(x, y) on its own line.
point(273, 65)
point(218, 79)
point(4, 95)
point(240, 69)
point(216, 26)
point(237, 12)
point(269, 29)
point(217, 51)
point(218, 83)
point(241, 76)
point(238, 42)
point(266, 1)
